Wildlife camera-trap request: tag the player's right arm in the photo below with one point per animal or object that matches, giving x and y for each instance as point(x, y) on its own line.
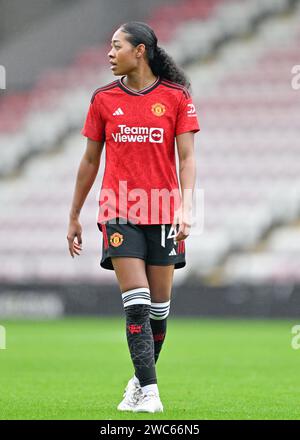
point(86, 176)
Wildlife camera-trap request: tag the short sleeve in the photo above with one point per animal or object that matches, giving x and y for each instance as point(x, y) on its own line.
point(187, 119)
point(94, 127)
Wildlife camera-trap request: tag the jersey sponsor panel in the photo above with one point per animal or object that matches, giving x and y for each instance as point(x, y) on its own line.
point(138, 134)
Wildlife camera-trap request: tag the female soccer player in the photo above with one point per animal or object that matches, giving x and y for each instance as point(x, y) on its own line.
point(143, 217)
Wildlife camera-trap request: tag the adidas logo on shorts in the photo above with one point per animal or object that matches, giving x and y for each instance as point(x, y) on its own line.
point(173, 252)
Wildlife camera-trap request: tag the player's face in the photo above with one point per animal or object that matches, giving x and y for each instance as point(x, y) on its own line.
point(122, 55)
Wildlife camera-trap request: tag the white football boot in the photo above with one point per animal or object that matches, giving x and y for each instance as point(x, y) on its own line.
point(131, 396)
point(149, 402)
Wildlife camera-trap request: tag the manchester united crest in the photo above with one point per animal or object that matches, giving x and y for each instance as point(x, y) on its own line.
point(116, 239)
point(158, 109)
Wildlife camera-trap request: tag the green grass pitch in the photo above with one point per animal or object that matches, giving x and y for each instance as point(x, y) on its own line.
point(77, 368)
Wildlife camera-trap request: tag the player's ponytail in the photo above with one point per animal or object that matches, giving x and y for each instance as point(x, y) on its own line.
point(163, 65)
point(160, 62)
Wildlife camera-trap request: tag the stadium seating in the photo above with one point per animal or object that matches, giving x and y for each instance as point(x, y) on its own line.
point(247, 151)
point(187, 29)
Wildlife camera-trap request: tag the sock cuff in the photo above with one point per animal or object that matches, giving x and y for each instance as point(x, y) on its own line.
point(158, 305)
point(160, 311)
point(140, 295)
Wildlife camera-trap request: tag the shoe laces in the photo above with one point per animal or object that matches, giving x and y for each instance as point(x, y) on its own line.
point(148, 396)
point(137, 394)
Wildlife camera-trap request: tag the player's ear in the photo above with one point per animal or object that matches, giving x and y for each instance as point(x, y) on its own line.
point(140, 50)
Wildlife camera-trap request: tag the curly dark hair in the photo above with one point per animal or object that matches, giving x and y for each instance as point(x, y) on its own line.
point(159, 61)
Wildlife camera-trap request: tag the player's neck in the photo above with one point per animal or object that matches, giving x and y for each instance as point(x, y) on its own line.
point(139, 82)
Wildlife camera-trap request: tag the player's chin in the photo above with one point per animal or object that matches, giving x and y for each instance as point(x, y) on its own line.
point(115, 71)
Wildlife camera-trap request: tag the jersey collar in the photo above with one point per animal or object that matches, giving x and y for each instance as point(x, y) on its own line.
point(140, 92)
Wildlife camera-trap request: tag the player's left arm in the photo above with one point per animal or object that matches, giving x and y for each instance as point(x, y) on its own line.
point(187, 177)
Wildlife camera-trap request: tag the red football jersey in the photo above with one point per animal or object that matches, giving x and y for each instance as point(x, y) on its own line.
point(139, 127)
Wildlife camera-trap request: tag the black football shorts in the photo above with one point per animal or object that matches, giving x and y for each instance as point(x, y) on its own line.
point(153, 243)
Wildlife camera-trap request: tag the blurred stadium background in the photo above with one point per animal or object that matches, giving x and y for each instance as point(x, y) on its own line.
point(239, 55)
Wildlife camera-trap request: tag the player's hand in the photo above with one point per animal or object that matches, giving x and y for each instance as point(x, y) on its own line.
point(183, 231)
point(184, 222)
point(74, 231)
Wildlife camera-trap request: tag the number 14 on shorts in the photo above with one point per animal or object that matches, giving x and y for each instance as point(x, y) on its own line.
point(171, 234)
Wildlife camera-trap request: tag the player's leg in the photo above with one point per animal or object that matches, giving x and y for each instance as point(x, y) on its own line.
point(124, 251)
point(160, 279)
point(131, 275)
point(163, 256)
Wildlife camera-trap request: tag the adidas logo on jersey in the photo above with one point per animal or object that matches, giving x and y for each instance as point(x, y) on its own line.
point(173, 252)
point(118, 112)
